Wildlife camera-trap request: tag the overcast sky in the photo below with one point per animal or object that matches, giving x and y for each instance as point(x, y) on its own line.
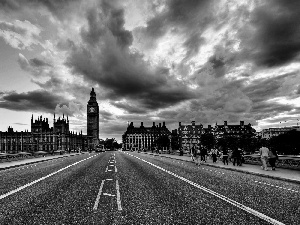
point(150, 61)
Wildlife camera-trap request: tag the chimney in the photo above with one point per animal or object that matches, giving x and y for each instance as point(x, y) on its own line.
point(242, 123)
point(159, 124)
point(164, 124)
point(209, 126)
point(153, 124)
point(180, 124)
point(142, 124)
point(225, 123)
point(193, 123)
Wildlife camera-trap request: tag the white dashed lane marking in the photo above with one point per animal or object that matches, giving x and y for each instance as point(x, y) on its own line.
point(288, 189)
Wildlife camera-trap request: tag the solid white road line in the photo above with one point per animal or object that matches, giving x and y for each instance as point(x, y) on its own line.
point(118, 196)
point(40, 179)
point(237, 204)
point(98, 196)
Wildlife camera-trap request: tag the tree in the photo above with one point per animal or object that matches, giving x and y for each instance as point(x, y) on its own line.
point(287, 143)
point(208, 140)
point(163, 141)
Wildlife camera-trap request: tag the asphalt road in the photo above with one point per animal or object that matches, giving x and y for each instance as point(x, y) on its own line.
point(133, 188)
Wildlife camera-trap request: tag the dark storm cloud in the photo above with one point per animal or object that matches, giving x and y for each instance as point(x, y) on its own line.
point(106, 59)
point(35, 62)
point(178, 16)
point(276, 39)
point(130, 108)
point(262, 110)
point(264, 89)
point(192, 44)
point(57, 7)
point(105, 115)
point(38, 100)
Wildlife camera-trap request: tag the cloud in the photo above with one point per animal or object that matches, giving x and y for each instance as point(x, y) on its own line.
point(105, 116)
point(130, 107)
point(275, 31)
point(20, 34)
point(105, 57)
point(189, 19)
point(70, 109)
point(38, 100)
point(57, 7)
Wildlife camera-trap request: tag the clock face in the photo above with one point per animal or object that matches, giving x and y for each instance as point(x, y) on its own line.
point(92, 109)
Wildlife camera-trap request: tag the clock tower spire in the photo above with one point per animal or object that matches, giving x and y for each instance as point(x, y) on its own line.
point(92, 120)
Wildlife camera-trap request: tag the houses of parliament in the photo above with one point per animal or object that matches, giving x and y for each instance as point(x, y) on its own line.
point(42, 137)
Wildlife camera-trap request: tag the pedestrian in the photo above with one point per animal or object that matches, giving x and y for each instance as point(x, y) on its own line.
point(214, 153)
point(191, 153)
point(225, 155)
point(197, 155)
point(203, 154)
point(240, 156)
point(235, 156)
point(264, 153)
point(272, 155)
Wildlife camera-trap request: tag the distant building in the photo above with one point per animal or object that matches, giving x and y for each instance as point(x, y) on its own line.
point(273, 132)
point(143, 137)
point(233, 130)
point(190, 135)
point(42, 137)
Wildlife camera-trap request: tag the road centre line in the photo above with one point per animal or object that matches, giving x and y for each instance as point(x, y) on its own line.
point(108, 194)
point(98, 196)
point(234, 203)
point(118, 196)
point(40, 179)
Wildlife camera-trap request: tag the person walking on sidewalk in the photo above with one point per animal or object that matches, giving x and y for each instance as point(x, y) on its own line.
point(197, 155)
point(224, 152)
point(203, 154)
point(264, 153)
point(272, 157)
point(240, 157)
point(191, 150)
point(214, 153)
point(235, 155)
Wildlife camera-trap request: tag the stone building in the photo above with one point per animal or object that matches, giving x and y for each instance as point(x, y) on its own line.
point(42, 137)
point(93, 121)
point(142, 137)
point(272, 132)
point(190, 135)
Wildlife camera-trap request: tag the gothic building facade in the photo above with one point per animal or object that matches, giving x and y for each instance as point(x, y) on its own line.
point(92, 121)
point(42, 137)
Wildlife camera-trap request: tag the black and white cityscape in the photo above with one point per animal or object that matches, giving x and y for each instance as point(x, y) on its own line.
point(149, 112)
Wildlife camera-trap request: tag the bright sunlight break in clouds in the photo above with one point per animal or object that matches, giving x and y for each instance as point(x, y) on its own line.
point(168, 60)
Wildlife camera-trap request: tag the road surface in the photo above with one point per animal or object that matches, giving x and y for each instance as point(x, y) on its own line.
point(135, 188)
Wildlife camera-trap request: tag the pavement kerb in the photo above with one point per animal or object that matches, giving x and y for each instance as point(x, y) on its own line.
point(24, 164)
point(233, 169)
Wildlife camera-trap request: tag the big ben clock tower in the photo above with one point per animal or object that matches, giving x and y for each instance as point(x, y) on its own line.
point(93, 120)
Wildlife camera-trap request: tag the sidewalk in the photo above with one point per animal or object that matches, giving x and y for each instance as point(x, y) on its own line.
point(279, 173)
point(22, 162)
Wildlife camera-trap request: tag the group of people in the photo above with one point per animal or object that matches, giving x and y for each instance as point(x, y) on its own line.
point(236, 156)
point(199, 154)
